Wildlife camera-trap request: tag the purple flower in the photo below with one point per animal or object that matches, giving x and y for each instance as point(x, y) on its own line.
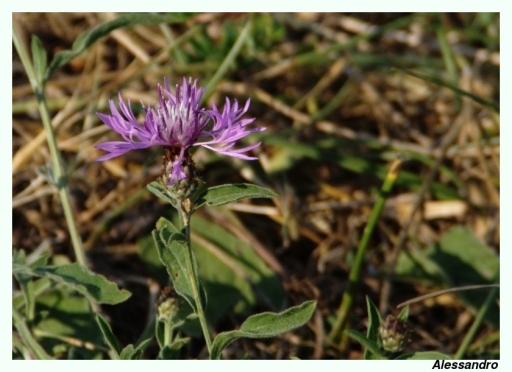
point(177, 122)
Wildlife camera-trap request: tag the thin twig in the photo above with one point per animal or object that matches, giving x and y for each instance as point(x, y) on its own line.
point(444, 291)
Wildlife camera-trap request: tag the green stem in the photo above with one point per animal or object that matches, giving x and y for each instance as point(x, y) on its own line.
point(476, 324)
point(167, 332)
point(58, 173)
point(27, 337)
point(353, 278)
point(194, 281)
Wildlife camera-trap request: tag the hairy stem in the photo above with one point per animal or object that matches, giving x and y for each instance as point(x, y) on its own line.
point(185, 218)
point(57, 168)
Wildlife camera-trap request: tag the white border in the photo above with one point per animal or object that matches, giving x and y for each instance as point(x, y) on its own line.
point(274, 6)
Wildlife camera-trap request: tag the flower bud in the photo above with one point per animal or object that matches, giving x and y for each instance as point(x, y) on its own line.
point(166, 306)
point(394, 334)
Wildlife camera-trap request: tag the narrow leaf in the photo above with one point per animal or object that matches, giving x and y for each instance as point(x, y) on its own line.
point(41, 261)
point(424, 355)
point(159, 190)
point(224, 194)
point(128, 353)
point(160, 333)
point(271, 324)
point(131, 353)
point(26, 284)
point(39, 58)
point(87, 38)
point(374, 320)
point(404, 314)
point(164, 222)
point(368, 344)
point(265, 325)
point(86, 282)
point(108, 335)
point(172, 351)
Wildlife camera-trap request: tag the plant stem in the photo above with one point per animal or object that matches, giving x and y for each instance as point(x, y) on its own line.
point(476, 324)
point(167, 332)
point(194, 281)
point(353, 278)
point(58, 173)
point(27, 337)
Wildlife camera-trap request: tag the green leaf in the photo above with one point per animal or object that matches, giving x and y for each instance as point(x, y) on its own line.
point(369, 345)
point(164, 222)
point(459, 259)
point(87, 38)
point(424, 355)
point(131, 353)
point(265, 325)
point(26, 284)
point(374, 321)
point(39, 58)
point(172, 351)
point(159, 190)
point(63, 314)
point(235, 274)
point(41, 261)
point(108, 335)
point(404, 314)
point(86, 282)
point(28, 339)
point(172, 249)
point(224, 194)
point(160, 333)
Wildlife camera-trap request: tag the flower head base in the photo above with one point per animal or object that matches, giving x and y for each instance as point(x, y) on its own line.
point(178, 123)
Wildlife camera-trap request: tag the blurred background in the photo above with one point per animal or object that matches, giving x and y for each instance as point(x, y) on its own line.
point(342, 96)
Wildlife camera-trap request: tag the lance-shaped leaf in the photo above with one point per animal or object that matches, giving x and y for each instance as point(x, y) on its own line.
point(369, 345)
point(130, 352)
point(224, 194)
point(172, 248)
point(172, 351)
point(86, 39)
point(108, 335)
point(424, 355)
point(86, 282)
point(159, 190)
point(81, 279)
point(265, 325)
point(39, 58)
point(374, 321)
point(404, 314)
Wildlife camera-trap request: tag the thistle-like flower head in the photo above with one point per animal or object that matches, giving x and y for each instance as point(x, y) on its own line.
point(177, 123)
point(394, 334)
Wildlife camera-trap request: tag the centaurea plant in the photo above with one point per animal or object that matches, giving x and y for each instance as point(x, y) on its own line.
point(177, 123)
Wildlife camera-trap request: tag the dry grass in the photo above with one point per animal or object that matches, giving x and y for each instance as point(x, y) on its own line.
point(334, 92)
